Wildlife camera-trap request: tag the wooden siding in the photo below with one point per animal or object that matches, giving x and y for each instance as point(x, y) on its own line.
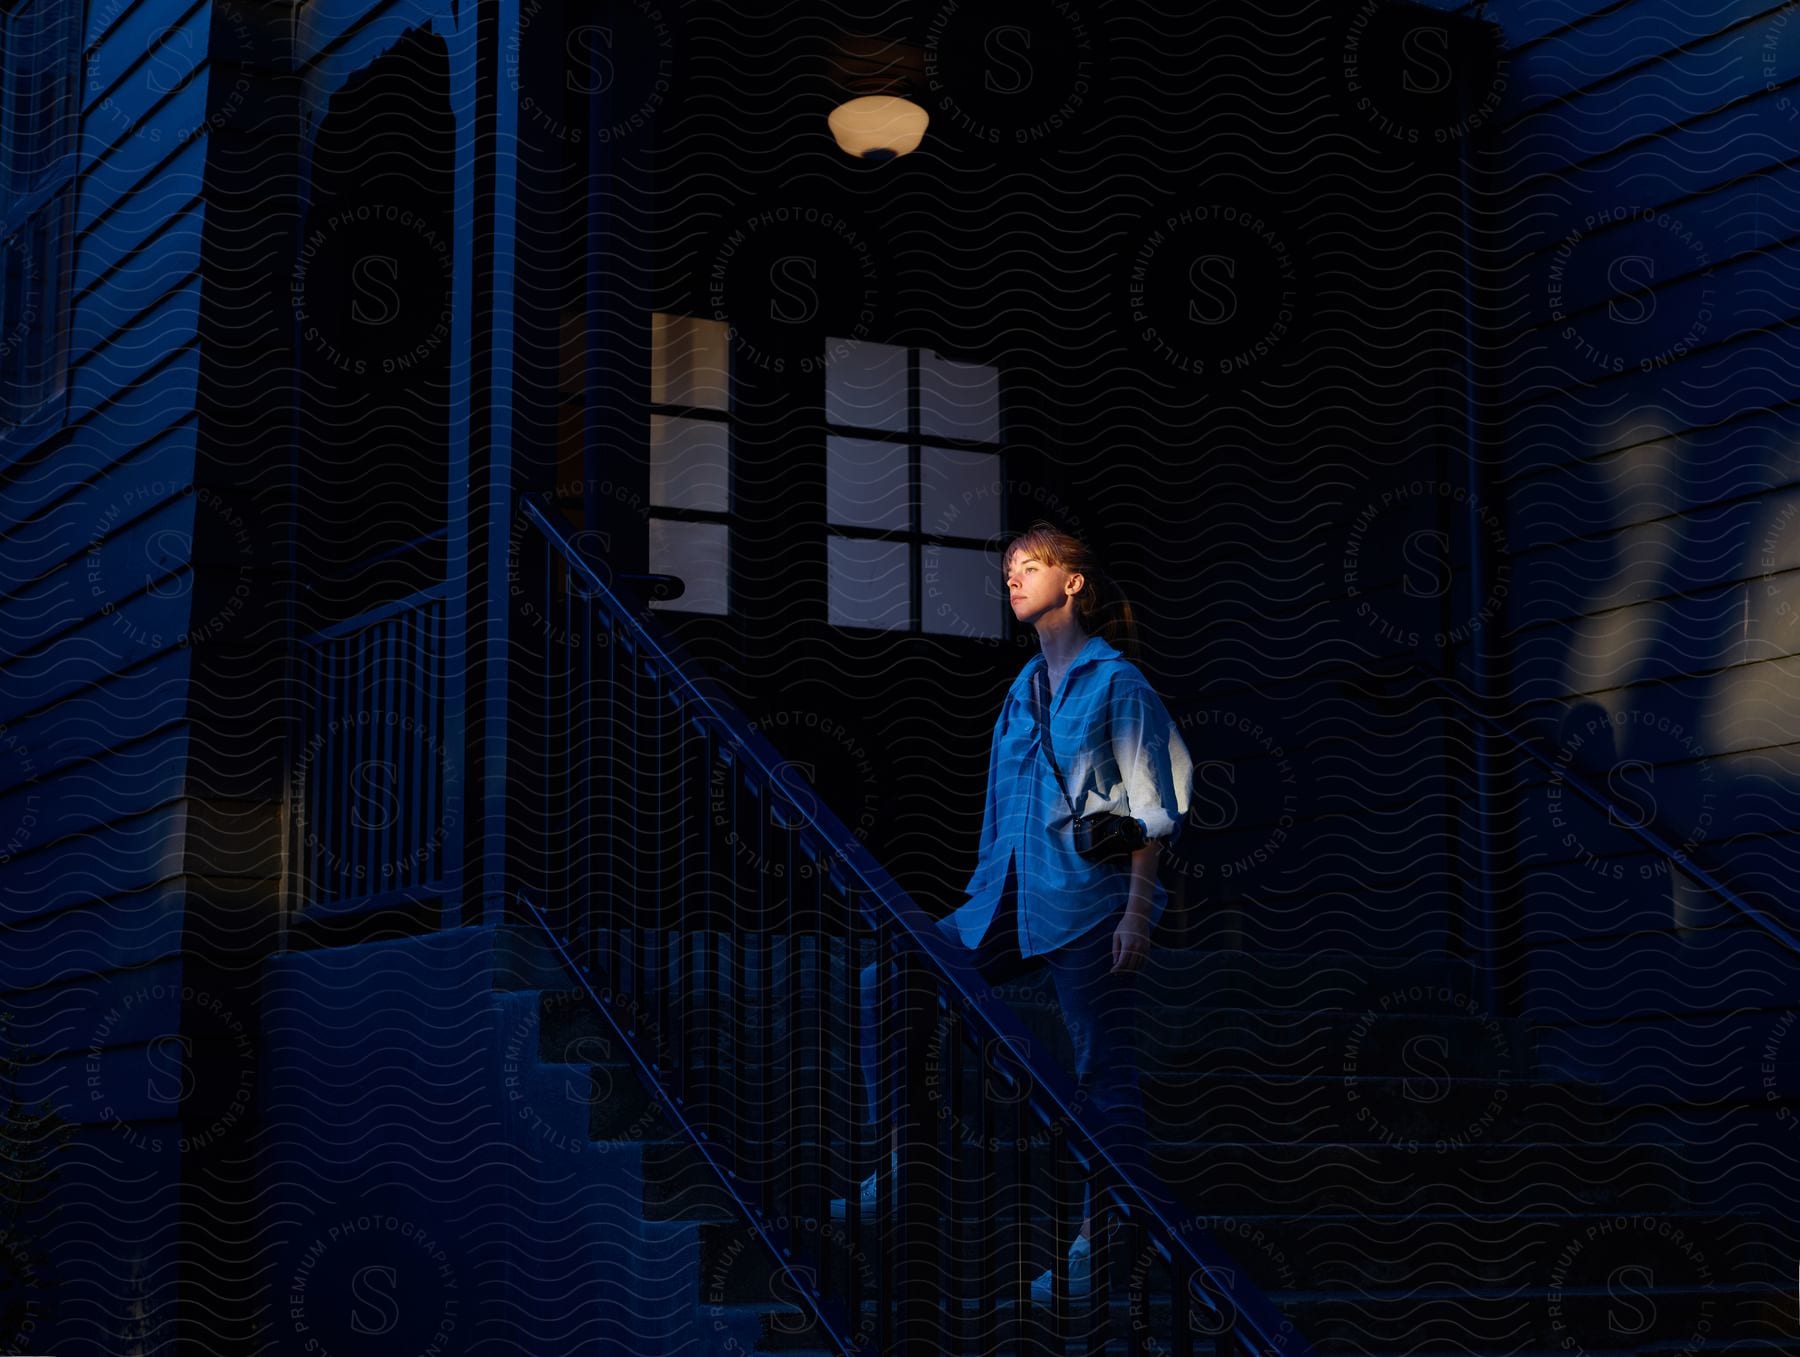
point(1644, 290)
point(101, 836)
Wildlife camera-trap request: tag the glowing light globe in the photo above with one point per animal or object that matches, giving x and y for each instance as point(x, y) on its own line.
point(878, 126)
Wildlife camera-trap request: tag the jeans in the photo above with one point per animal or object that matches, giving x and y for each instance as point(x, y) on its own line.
point(1100, 1010)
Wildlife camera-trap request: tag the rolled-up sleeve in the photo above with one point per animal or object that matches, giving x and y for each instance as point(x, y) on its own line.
point(1154, 766)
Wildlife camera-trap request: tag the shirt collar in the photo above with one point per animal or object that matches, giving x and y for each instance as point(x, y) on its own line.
point(1095, 650)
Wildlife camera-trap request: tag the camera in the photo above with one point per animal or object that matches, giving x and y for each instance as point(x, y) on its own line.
point(1108, 838)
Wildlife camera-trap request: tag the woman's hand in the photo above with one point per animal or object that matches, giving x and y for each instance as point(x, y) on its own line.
point(1131, 942)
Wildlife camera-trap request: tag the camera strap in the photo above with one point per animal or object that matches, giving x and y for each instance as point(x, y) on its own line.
point(1040, 714)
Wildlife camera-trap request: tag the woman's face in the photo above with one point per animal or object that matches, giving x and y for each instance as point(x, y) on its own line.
point(1034, 588)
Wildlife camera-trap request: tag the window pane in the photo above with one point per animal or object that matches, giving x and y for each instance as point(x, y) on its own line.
point(958, 400)
point(15, 342)
point(865, 384)
point(700, 555)
point(870, 583)
point(689, 461)
point(690, 362)
point(962, 591)
point(867, 484)
point(39, 52)
point(960, 493)
point(59, 234)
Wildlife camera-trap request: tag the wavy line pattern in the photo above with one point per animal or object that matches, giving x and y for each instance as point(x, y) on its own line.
point(327, 310)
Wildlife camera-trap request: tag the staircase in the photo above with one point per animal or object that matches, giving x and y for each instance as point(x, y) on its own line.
point(1377, 1153)
point(1383, 1160)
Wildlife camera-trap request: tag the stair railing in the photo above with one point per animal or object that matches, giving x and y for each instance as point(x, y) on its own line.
point(375, 775)
point(717, 912)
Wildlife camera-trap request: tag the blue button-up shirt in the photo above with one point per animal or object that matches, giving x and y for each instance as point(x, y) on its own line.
point(1119, 751)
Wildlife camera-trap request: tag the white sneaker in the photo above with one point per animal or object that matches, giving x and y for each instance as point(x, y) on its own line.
point(867, 1195)
point(1081, 1280)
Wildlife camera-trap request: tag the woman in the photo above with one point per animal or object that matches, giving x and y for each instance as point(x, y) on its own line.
point(1032, 895)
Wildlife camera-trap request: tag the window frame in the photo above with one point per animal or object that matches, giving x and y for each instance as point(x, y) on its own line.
point(726, 517)
point(914, 535)
point(39, 221)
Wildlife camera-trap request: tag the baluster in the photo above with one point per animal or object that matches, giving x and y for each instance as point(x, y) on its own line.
point(305, 726)
point(1065, 1184)
point(341, 760)
point(668, 835)
point(888, 1181)
point(744, 936)
point(431, 680)
point(1021, 1265)
point(631, 811)
point(567, 803)
point(803, 1112)
point(348, 733)
point(327, 770)
point(693, 885)
point(306, 850)
point(853, 1136)
point(1096, 1311)
point(556, 902)
point(375, 754)
point(917, 1205)
point(589, 794)
point(729, 1052)
point(409, 857)
point(436, 679)
point(364, 745)
point(949, 1113)
point(413, 865)
point(1181, 1302)
point(614, 786)
point(707, 983)
point(587, 852)
point(388, 742)
point(960, 1199)
point(355, 668)
point(763, 1011)
point(1134, 1242)
point(1093, 1313)
point(796, 1173)
point(393, 740)
point(595, 793)
point(997, 1234)
point(588, 694)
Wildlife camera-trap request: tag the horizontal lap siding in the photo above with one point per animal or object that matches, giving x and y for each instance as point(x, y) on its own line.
point(97, 834)
point(1645, 283)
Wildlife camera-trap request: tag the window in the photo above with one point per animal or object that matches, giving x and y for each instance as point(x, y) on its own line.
point(690, 460)
point(914, 494)
point(38, 43)
point(34, 337)
point(37, 95)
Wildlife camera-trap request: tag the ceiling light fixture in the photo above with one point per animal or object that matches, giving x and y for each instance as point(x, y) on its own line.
point(877, 120)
